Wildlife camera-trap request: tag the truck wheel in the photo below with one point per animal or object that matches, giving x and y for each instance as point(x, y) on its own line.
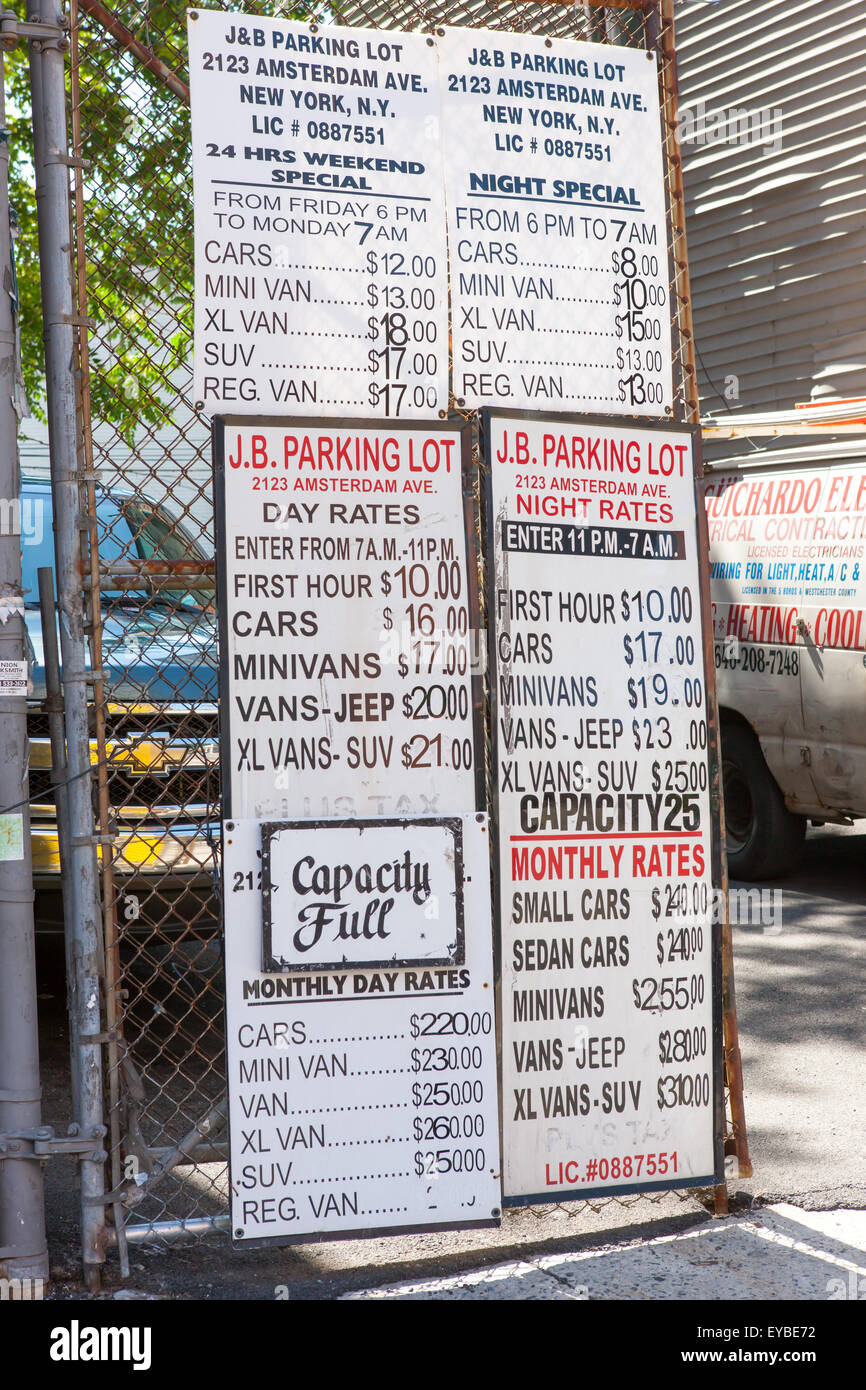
point(762, 837)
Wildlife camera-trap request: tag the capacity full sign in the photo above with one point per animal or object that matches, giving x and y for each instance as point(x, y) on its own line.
point(373, 893)
point(609, 1010)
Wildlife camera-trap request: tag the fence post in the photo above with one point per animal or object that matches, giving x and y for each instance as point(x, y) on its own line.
point(23, 1249)
point(48, 88)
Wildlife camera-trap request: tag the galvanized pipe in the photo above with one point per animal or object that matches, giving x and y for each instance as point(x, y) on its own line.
point(175, 1230)
point(23, 1248)
point(203, 1128)
point(57, 736)
point(48, 88)
point(167, 1156)
point(94, 613)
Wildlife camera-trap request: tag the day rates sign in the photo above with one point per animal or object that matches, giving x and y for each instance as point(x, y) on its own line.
point(609, 1020)
point(347, 605)
point(361, 1040)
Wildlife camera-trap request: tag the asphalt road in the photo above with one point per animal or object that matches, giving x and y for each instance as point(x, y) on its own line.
point(802, 1013)
point(800, 953)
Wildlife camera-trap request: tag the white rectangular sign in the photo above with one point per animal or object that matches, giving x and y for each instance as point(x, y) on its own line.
point(556, 224)
point(364, 893)
point(13, 678)
point(786, 547)
point(321, 283)
point(609, 1016)
point(362, 1100)
point(347, 611)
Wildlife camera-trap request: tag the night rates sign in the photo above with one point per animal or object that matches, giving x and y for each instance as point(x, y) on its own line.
point(556, 224)
point(609, 1026)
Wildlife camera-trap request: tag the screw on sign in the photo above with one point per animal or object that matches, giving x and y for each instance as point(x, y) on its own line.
point(557, 225)
point(347, 613)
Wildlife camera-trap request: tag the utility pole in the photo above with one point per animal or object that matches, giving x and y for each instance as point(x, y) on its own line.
point(51, 160)
point(23, 1249)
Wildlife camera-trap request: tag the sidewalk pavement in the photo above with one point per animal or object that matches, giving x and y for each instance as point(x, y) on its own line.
point(777, 1253)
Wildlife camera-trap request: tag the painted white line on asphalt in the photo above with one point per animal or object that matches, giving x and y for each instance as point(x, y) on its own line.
point(776, 1255)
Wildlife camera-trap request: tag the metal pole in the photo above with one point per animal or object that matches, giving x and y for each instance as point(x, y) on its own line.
point(53, 706)
point(23, 1248)
point(47, 66)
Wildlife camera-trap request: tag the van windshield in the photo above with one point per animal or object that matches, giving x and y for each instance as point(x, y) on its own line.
point(129, 529)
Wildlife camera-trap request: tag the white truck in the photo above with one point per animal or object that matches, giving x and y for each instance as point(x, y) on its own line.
point(788, 585)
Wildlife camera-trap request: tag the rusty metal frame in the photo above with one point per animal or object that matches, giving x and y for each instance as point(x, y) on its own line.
point(679, 252)
point(112, 25)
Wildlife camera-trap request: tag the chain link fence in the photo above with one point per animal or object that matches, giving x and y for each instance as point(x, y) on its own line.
point(146, 502)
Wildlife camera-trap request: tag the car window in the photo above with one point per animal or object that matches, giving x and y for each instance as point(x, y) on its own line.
point(37, 537)
point(158, 538)
point(155, 535)
point(128, 530)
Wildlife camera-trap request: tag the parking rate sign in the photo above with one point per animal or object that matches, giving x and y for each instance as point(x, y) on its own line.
point(361, 1100)
point(321, 284)
point(347, 606)
point(556, 224)
point(610, 1013)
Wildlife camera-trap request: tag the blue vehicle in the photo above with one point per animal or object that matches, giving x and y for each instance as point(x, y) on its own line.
point(159, 655)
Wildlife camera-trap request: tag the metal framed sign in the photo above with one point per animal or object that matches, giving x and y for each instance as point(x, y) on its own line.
point(321, 282)
point(557, 225)
point(608, 855)
point(348, 613)
point(372, 892)
point(362, 1100)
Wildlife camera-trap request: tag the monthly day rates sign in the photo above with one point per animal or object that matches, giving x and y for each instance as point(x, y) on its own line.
point(320, 271)
point(556, 224)
point(360, 1099)
point(609, 1057)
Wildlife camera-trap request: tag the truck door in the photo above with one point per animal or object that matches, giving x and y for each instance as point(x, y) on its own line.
point(833, 636)
point(757, 640)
